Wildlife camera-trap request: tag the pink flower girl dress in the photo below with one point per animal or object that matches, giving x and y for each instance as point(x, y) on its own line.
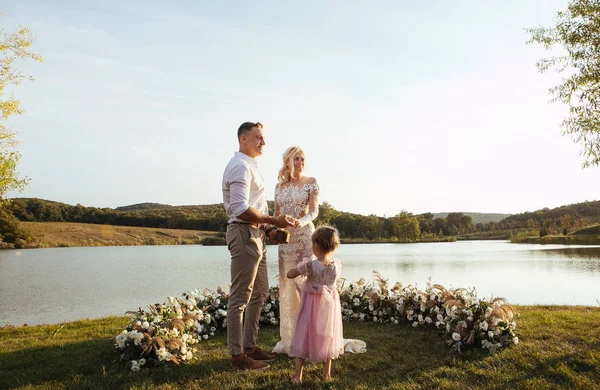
point(318, 334)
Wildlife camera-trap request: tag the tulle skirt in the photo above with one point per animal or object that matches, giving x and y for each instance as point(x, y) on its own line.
point(318, 333)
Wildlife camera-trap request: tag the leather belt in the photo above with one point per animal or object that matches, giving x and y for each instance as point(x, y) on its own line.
point(244, 223)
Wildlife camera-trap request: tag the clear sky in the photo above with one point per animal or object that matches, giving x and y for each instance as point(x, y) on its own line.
point(399, 105)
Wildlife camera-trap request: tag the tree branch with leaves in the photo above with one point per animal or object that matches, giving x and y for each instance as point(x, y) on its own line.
point(577, 35)
point(13, 46)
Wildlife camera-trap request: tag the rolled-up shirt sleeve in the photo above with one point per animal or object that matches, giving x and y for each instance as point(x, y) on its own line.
point(239, 189)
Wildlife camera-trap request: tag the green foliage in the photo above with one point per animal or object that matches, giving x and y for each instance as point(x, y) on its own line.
point(576, 215)
point(576, 34)
point(10, 232)
point(13, 46)
point(589, 231)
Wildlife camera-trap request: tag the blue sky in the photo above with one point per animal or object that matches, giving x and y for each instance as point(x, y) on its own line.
point(398, 106)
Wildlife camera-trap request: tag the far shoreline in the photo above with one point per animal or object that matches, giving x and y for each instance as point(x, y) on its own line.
point(70, 234)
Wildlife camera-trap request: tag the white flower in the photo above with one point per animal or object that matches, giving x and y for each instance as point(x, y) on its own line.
point(395, 322)
point(440, 318)
point(163, 354)
point(138, 323)
point(136, 336)
point(455, 336)
point(205, 337)
point(356, 301)
point(145, 325)
point(415, 324)
point(142, 361)
point(490, 334)
point(420, 318)
point(483, 325)
point(189, 355)
point(135, 368)
point(371, 307)
point(428, 320)
point(121, 340)
point(515, 340)
point(374, 319)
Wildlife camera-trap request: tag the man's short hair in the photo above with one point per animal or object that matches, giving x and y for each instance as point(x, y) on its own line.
point(247, 126)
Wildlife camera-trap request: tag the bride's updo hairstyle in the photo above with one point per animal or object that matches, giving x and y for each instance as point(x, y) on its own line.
point(327, 238)
point(287, 170)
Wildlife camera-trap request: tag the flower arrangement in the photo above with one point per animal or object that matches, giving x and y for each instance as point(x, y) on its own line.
point(167, 333)
point(464, 319)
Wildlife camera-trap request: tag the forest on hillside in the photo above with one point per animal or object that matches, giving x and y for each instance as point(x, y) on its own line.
point(403, 226)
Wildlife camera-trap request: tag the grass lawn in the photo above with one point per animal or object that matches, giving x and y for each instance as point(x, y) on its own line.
point(68, 234)
point(559, 348)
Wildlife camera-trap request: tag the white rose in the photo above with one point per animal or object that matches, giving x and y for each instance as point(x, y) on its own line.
point(455, 336)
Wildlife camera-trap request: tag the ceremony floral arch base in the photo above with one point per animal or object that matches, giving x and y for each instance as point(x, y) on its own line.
point(167, 333)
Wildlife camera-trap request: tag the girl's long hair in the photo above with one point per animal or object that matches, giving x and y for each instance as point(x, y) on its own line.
point(287, 170)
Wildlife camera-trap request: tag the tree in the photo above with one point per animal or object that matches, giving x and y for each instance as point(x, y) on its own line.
point(405, 226)
point(12, 47)
point(577, 33)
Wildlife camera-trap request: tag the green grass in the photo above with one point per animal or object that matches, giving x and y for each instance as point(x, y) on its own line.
point(588, 231)
point(559, 348)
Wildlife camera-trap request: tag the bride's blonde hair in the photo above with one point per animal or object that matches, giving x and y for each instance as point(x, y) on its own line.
point(287, 170)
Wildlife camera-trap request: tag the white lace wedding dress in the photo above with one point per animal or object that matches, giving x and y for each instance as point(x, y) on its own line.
point(301, 201)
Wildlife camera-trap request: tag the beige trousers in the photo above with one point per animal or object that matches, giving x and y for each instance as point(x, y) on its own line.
point(249, 285)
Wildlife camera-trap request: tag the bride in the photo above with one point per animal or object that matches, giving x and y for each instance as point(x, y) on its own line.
point(296, 195)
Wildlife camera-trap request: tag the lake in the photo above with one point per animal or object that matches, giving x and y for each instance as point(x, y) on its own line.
point(64, 284)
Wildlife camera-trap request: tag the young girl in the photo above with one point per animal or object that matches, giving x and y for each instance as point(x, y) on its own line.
point(318, 331)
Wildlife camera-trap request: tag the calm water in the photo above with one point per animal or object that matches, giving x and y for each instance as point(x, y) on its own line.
point(63, 284)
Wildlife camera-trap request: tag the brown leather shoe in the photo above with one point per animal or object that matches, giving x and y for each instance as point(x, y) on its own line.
point(243, 362)
point(260, 355)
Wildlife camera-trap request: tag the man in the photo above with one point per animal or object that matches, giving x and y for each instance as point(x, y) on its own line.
point(246, 207)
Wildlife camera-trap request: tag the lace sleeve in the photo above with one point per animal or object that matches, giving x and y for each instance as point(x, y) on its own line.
point(305, 267)
point(313, 203)
point(277, 210)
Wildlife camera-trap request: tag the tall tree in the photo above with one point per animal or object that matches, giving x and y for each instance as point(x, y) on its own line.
point(13, 46)
point(577, 34)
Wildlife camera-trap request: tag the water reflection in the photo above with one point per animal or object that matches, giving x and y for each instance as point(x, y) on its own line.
point(576, 253)
point(53, 285)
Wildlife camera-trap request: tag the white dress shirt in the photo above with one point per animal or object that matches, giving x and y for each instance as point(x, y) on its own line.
point(243, 186)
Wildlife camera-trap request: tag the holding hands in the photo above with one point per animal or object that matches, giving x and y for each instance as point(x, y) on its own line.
point(281, 236)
